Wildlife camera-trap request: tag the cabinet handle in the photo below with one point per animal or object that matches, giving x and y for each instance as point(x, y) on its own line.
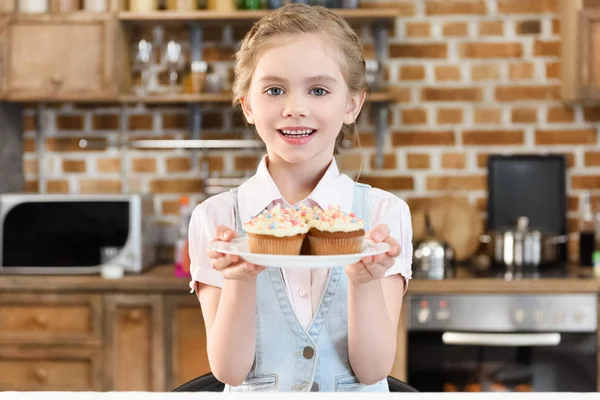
point(134, 315)
point(57, 79)
point(41, 321)
point(41, 374)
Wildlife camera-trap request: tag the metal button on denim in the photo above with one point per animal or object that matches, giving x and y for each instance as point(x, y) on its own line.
point(308, 352)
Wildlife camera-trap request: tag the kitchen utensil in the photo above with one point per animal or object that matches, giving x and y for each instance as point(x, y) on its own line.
point(239, 247)
point(522, 246)
point(454, 220)
point(174, 60)
point(432, 258)
point(532, 186)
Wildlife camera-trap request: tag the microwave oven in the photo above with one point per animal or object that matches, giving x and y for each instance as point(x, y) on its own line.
point(75, 234)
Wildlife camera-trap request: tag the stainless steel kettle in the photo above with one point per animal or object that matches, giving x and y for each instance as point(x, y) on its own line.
point(432, 258)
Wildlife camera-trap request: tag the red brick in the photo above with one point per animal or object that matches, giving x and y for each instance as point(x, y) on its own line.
point(528, 6)
point(493, 138)
point(556, 26)
point(246, 162)
point(105, 122)
point(485, 72)
point(404, 8)
point(591, 114)
point(449, 116)
point(176, 186)
point(108, 165)
point(58, 144)
point(592, 158)
point(401, 94)
point(455, 29)
point(454, 160)
point(426, 138)
point(170, 207)
point(175, 121)
point(215, 162)
point(431, 50)
point(140, 122)
point(524, 115)
point(31, 187)
point(561, 114)
point(29, 123)
point(178, 164)
point(412, 72)
point(516, 93)
point(348, 161)
point(414, 116)
point(491, 28)
point(99, 186)
point(521, 71)
point(389, 182)
point(451, 94)
point(69, 122)
point(546, 49)
point(470, 182)
point(445, 7)
point(418, 161)
point(30, 167)
point(491, 50)
point(553, 70)
point(389, 161)
point(529, 27)
point(488, 116)
point(144, 165)
point(447, 73)
point(57, 186)
point(573, 203)
point(73, 166)
point(585, 182)
point(556, 137)
point(418, 29)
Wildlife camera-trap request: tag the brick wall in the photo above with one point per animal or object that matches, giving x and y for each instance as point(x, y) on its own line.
point(471, 78)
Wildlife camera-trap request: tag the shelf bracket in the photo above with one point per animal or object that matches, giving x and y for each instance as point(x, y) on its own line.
point(381, 110)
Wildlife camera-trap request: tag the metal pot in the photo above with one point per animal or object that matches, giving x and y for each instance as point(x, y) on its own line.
point(522, 246)
point(432, 258)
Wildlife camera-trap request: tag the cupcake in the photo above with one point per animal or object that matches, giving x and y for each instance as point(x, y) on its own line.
point(276, 231)
point(333, 232)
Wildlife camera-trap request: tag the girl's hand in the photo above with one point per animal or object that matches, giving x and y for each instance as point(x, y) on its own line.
point(231, 266)
point(374, 267)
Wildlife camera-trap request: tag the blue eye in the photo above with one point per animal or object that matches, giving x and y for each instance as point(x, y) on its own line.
point(319, 92)
point(275, 91)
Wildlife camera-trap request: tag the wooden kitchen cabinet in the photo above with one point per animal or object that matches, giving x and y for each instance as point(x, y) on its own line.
point(50, 369)
point(580, 51)
point(61, 57)
point(134, 351)
point(186, 344)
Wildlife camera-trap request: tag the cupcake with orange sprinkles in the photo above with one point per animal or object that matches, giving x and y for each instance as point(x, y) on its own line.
point(333, 232)
point(277, 231)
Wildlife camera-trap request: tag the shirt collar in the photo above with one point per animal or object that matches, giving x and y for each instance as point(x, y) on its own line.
point(258, 192)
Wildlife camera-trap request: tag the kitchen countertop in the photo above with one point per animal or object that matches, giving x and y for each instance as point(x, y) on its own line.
point(161, 279)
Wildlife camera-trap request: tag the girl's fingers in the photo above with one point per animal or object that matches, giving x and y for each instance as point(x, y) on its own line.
point(224, 233)
point(221, 263)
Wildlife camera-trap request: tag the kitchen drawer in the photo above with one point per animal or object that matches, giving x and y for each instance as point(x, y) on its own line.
point(50, 318)
point(38, 369)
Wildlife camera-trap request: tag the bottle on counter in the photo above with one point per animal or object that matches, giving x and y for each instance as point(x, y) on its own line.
point(182, 254)
point(587, 234)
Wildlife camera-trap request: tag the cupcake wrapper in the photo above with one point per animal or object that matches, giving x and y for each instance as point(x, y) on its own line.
point(288, 246)
point(325, 246)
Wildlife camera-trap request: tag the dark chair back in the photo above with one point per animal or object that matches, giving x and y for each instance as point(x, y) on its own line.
point(208, 383)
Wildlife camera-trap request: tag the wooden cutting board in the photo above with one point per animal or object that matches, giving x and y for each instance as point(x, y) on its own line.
point(454, 220)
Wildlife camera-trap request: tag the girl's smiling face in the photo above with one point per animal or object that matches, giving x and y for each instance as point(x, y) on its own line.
point(298, 100)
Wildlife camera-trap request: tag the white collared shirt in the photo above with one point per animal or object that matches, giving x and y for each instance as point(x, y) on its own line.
point(304, 286)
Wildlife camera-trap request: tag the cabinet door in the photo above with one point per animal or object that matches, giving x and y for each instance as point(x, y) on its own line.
point(186, 340)
point(55, 57)
point(49, 369)
point(134, 352)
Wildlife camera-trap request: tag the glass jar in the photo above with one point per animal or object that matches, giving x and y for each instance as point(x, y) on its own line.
point(33, 6)
point(143, 5)
point(95, 5)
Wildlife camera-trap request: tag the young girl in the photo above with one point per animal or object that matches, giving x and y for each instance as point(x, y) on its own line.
point(300, 80)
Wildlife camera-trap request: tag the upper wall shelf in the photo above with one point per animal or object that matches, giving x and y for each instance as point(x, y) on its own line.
point(354, 15)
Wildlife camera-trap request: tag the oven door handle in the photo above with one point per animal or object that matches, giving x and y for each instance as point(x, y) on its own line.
point(501, 339)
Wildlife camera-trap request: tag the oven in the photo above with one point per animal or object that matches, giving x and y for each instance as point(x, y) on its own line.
point(507, 343)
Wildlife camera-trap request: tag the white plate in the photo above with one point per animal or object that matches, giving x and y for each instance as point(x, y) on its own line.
point(239, 247)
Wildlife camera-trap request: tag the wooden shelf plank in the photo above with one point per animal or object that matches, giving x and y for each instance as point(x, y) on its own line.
point(355, 15)
point(380, 97)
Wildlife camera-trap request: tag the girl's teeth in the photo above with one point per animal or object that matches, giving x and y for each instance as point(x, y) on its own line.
point(304, 132)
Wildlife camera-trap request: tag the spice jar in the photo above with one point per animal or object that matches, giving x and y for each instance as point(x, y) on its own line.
point(33, 6)
point(143, 5)
point(182, 5)
point(95, 5)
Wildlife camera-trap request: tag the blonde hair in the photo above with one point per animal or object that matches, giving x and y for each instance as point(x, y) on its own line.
point(294, 19)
